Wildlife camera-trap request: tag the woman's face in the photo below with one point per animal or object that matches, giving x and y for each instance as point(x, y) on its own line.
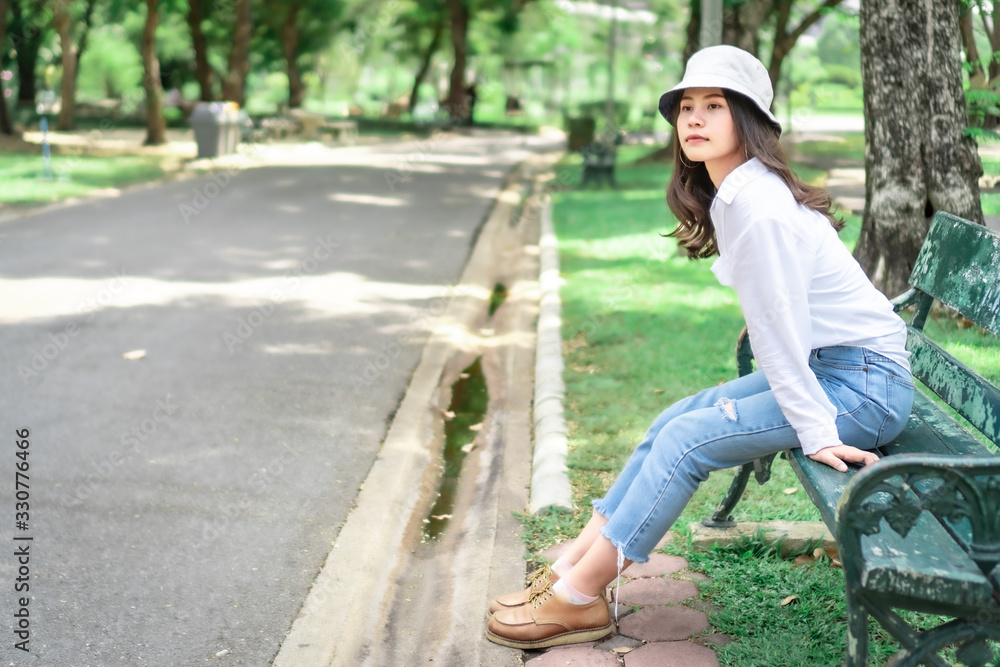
point(707, 133)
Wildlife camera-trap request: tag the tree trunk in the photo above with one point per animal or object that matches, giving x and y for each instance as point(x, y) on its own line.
point(27, 38)
point(68, 102)
point(88, 20)
point(693, 30)
point(425, 64)
point(233, 88)
point(458, 104)
point(742, 24)
point(290, 41)
point(785, 40)
point(917, 159)
point(994, 36)
point(969, 42)
point(203, 71)
point(6, 124)
point(156, 127)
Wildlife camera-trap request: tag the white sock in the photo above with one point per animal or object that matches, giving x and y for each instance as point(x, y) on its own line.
point(565, 590)
point(562, 567)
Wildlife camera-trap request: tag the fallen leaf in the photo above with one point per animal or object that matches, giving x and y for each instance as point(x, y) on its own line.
point(789, 600)
point(447, 414)
point(790, 490)
point(476, 427)
point(818, 553)
point(622, 650)
point(469, 447)
point(463, 376)
point(134, 355)
point(834, 563)
point(803, 560)
point(657, 391)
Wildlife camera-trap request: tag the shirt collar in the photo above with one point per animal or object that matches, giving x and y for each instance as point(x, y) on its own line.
point(737, 178)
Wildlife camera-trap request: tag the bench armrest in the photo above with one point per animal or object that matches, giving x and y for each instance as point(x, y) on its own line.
point(905, 300)
point(962, 492)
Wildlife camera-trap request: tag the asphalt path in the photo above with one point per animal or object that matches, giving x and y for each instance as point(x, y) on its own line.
point(200, 374)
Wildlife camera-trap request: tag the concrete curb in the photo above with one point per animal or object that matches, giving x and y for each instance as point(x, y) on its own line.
point(549, 478)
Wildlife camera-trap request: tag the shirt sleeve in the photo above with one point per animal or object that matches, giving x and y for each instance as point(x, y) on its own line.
point(771, 267)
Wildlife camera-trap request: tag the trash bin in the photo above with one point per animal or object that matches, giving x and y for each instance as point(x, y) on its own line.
point(216, 128)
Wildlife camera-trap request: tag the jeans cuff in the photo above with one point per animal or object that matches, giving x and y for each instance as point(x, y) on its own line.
point(621, 547)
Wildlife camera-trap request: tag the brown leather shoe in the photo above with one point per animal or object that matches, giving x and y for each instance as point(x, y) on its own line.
point(537, 580)
point(547, 620)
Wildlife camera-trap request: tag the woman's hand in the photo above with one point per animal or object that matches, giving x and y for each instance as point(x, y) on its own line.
point(838, 456)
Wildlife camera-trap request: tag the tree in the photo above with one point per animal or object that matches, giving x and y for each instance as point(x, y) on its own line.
point(302, 28)
point(786, 37)
point(918, 159)
point(234, 85)
point(458, 14)
point(28, 30)
point(6, 124)
point(203, 71)
point(156, 126)
point(63, 25)
point(427, 18)
point(461, 14)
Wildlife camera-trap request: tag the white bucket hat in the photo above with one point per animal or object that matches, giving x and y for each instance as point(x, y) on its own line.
point(724, 67)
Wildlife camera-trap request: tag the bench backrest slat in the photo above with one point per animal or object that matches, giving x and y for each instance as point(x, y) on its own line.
point(971, 395)
point(958, 265)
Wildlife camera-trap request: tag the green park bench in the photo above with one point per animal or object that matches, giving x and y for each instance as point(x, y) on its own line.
point(920, 529)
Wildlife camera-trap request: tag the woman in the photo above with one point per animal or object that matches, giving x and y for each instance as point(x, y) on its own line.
point(833, 373)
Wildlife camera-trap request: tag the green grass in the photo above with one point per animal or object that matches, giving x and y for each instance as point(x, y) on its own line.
point(643, 327)
point(24, 182)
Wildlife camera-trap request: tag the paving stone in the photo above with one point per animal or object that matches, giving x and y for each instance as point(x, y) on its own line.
point(664, 624)
point(580, 655)
point(672, 654)
point(619, 641)
point(714, 639)
point(656, 591)
point(669, 537)
point(623, 609)
point(659, 564)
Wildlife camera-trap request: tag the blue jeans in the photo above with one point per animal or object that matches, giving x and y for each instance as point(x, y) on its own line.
point(735, 423)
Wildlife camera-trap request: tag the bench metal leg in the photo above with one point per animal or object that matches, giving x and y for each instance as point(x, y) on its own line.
point(723, 515)
point(857, 631)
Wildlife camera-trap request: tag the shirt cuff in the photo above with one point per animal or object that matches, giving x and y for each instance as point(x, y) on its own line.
point(817, 438)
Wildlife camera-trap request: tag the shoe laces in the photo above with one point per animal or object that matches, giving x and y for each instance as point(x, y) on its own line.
point(537, 576)
point(537, 598)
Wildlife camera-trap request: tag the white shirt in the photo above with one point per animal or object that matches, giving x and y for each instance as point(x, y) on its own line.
point(800, 290)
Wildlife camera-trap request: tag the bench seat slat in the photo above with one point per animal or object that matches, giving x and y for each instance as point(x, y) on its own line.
point(926, 571)
point(971, 395)
point(929, 430)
